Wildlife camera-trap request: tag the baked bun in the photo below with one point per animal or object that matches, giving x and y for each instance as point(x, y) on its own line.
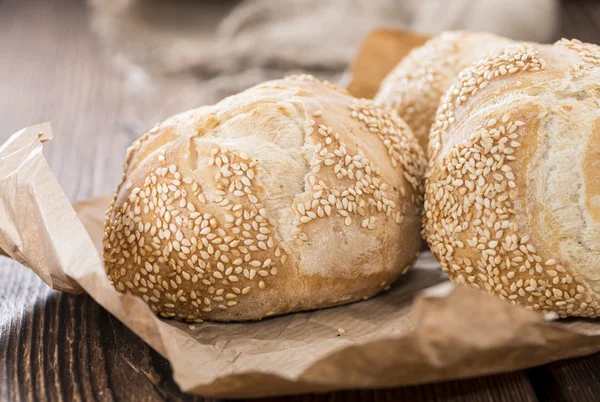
point(513, 188)
point(414, 87)
point(290, 196)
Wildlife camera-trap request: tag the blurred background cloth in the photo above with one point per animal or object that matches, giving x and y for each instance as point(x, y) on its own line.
point(201, 50)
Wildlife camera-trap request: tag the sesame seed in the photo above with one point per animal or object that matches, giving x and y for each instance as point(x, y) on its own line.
point(217, 251)
point(471, 194)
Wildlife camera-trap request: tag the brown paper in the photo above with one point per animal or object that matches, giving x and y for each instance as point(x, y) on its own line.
point(378, 54)
point(388, 341)
point(407, 335)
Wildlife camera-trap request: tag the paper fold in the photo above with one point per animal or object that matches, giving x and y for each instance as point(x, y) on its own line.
point(27, 189)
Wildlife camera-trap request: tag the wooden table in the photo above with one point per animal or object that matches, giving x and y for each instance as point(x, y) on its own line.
point(55, 346)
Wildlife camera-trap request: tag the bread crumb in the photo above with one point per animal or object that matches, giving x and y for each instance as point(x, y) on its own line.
point(341, 330)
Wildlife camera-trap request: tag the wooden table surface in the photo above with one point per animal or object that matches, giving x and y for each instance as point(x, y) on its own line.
point(60, 347)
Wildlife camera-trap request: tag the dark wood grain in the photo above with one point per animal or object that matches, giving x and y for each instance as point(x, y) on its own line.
point(568, 380)
point(57, 347)
point(581, 20)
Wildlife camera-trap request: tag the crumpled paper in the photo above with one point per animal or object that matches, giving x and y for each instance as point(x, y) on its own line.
point(422, 330)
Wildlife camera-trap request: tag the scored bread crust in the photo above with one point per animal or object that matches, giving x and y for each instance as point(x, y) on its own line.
point(513, 192)
point(289, 196)
point(414, 87)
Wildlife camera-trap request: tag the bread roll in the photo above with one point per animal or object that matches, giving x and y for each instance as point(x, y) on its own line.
point(414, 87)
point(289, 196)
point(513, 188)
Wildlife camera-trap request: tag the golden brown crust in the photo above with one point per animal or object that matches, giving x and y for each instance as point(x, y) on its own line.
point(414, 87)
point(510, 175)
point(591, 173)
point(289, 196)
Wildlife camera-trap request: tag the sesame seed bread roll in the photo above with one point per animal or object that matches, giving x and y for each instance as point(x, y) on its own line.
point(513, 188)
point(290, 196)
point(414, 87)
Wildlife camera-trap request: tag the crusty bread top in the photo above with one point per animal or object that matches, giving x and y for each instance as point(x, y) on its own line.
point(513, 193)
point(414, 87)
point(290, 195)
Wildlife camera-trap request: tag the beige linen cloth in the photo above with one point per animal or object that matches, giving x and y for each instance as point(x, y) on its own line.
point(199, 51)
